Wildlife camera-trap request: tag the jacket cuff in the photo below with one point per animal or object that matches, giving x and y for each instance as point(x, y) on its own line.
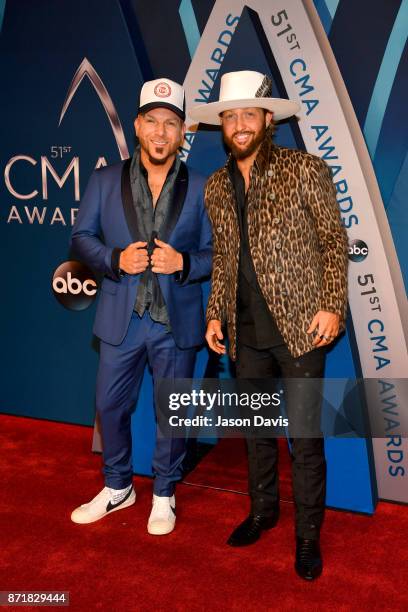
point(115, 258)
point(333, 306)
point(182, 275)
point(214, 314)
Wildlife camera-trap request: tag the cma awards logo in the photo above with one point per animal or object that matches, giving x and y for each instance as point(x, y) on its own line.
point(357, 251)
point(54, 216)
point(87, 70)
point(74, 285)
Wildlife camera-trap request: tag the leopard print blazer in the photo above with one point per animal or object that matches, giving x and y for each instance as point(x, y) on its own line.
point(297, 242)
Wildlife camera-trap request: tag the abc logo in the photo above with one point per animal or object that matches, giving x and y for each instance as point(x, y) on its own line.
point(357, 251)
point(74, 285)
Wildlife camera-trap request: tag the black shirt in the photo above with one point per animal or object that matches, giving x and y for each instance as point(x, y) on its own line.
point(256, 327)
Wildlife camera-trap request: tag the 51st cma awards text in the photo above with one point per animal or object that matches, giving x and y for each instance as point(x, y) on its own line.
point(21, 180)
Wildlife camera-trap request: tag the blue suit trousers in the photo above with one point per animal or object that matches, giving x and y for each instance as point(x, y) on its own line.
point(120, 374)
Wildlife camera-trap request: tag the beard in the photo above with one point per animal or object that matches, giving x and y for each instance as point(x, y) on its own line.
point(155, 154)
point(157, 161)
point(240, 153)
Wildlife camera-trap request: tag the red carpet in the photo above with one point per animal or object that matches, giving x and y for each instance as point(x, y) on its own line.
point(114, 565)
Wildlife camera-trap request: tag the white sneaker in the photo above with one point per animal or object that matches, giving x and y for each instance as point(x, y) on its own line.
point(101, 505)
point(162, 518)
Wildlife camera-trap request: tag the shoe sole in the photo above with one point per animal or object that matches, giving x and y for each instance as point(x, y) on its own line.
point(158, 531)
point(126, 504)
point(309, 578)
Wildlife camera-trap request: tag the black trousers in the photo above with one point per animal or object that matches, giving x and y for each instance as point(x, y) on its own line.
point(307, 454)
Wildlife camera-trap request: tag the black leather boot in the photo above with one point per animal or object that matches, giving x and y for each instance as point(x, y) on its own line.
point(250, 530)
point(309, 564)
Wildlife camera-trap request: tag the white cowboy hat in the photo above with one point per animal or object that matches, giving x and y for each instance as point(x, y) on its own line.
point(244, 89)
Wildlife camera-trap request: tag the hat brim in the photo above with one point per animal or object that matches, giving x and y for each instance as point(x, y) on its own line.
point(152, 105)
point(210, 113)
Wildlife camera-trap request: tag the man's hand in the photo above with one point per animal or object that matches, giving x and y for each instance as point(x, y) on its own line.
point(134, 258)
point(214, 335)
point(325, 327)
point(165, 259)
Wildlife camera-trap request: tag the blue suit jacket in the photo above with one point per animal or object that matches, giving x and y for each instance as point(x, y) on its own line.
point(106, 223)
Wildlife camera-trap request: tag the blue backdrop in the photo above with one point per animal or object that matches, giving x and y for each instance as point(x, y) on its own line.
point(49, 354)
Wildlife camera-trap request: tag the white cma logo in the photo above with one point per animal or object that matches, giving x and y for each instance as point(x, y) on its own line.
point(73, 285)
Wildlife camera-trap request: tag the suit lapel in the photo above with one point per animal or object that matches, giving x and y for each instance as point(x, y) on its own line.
point(127, 201)
point(176, 205)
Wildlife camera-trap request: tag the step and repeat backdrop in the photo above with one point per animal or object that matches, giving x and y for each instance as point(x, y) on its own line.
point(71, 74)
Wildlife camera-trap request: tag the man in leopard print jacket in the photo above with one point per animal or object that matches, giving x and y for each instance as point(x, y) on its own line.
point(279, 283)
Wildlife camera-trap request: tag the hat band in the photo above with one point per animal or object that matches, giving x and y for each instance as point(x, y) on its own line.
point(265, 88)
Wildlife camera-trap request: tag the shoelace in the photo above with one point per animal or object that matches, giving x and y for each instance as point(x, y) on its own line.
point(306, 552)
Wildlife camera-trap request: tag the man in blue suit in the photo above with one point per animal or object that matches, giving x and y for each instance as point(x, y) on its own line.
point(143, 225)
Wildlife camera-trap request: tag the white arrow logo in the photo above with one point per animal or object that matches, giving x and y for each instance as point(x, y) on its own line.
point(86, 69)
